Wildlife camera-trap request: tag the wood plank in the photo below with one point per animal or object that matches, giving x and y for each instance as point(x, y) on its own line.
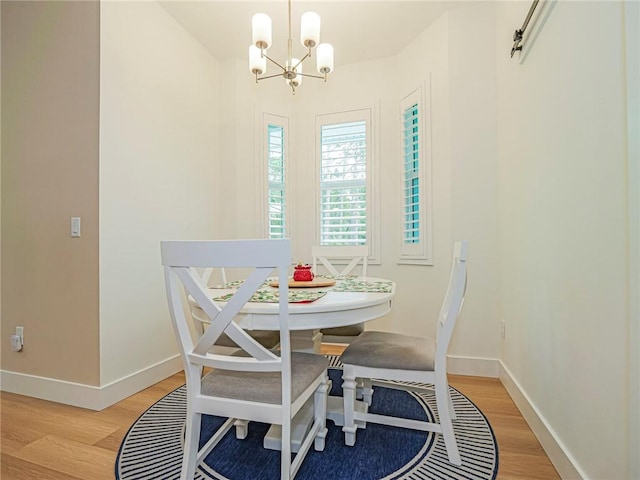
point(58, 419)
point(15, 436)
point(523, 466)
point(13, 468)
point(69, 457)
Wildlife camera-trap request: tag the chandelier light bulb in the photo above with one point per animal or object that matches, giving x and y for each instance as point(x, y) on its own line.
point(257, 63)
point(261, 30)
point(325, 58)
point(310, 29)
point(298, 80)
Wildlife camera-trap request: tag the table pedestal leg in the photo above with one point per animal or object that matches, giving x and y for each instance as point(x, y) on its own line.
point(300, 425)
point(308, 341)
point(335, 411)
point(302, 422)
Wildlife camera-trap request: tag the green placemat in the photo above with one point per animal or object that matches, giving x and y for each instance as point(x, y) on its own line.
point(351, 285)
point(271, 296)
point(236, 284)
point(347, 283)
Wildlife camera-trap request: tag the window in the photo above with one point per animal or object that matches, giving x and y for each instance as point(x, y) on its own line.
point(415, 245)
point(344, 165)
point(276, 175)
point(275, 129)
point(411, 190)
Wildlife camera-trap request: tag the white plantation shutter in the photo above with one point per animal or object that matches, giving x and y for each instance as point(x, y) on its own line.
point(276, 178)
point(343, 183)
point(273, 181)
point(411, 187)
point(415, 246)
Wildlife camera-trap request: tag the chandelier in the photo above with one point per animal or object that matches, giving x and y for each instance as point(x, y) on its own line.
point(291, 71)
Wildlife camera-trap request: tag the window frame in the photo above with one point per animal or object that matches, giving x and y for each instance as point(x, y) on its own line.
point(419, 253)
point(368, 115)
point(281, 121)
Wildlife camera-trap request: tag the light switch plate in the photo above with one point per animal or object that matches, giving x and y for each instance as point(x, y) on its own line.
point(75, 226)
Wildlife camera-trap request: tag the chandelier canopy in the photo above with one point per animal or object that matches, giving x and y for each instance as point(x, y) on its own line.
point(291, 71)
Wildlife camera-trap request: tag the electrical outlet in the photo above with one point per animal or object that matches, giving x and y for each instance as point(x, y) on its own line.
point(503, 332)
point(17, 340)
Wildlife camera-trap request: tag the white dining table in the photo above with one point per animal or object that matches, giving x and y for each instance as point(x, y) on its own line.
point(334, 309)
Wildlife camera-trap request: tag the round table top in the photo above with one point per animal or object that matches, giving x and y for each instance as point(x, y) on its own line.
point(334, 309)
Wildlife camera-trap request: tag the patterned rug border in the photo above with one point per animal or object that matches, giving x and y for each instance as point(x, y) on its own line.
point(437, 467)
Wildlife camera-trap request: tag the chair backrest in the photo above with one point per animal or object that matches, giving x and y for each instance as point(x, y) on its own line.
point(181, 259)
point(354, 254)
point(453, 300)
point(205, 277)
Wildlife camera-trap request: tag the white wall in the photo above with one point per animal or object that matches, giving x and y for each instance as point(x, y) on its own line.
point(632, 33)
point(159, 105)
point(474, 181)
point(0, 173)
point(241, 102)
point(457, 53)
point(563, 226)
point(424, 62)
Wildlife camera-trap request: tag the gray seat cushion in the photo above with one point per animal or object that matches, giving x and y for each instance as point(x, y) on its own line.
point(391, 350)
point(265, 387)
point(348, 331)
point(266, 338)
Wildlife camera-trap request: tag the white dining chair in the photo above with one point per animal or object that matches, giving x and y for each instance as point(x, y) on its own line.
point(385, 358)
point(329, 257)
point(260, 385)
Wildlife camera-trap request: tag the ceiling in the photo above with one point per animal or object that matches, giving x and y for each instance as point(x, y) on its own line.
point(358, 29)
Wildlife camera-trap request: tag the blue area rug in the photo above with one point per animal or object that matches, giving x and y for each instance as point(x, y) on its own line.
point(152, 449)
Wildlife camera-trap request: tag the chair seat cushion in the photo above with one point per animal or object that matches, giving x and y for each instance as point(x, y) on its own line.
point(267, 338)
point(348, 331)
point(265, 387)
point(391, 350)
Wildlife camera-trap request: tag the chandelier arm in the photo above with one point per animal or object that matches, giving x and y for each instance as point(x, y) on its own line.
point(273, 61)
point(269, 76)
point(311, 75)
point(302, 60)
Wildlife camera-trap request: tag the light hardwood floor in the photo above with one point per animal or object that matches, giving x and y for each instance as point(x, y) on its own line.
point(50, 441)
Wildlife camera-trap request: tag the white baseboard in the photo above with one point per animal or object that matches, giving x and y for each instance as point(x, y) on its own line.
point(562, 460)
point(88, 396)
point(474, 366)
